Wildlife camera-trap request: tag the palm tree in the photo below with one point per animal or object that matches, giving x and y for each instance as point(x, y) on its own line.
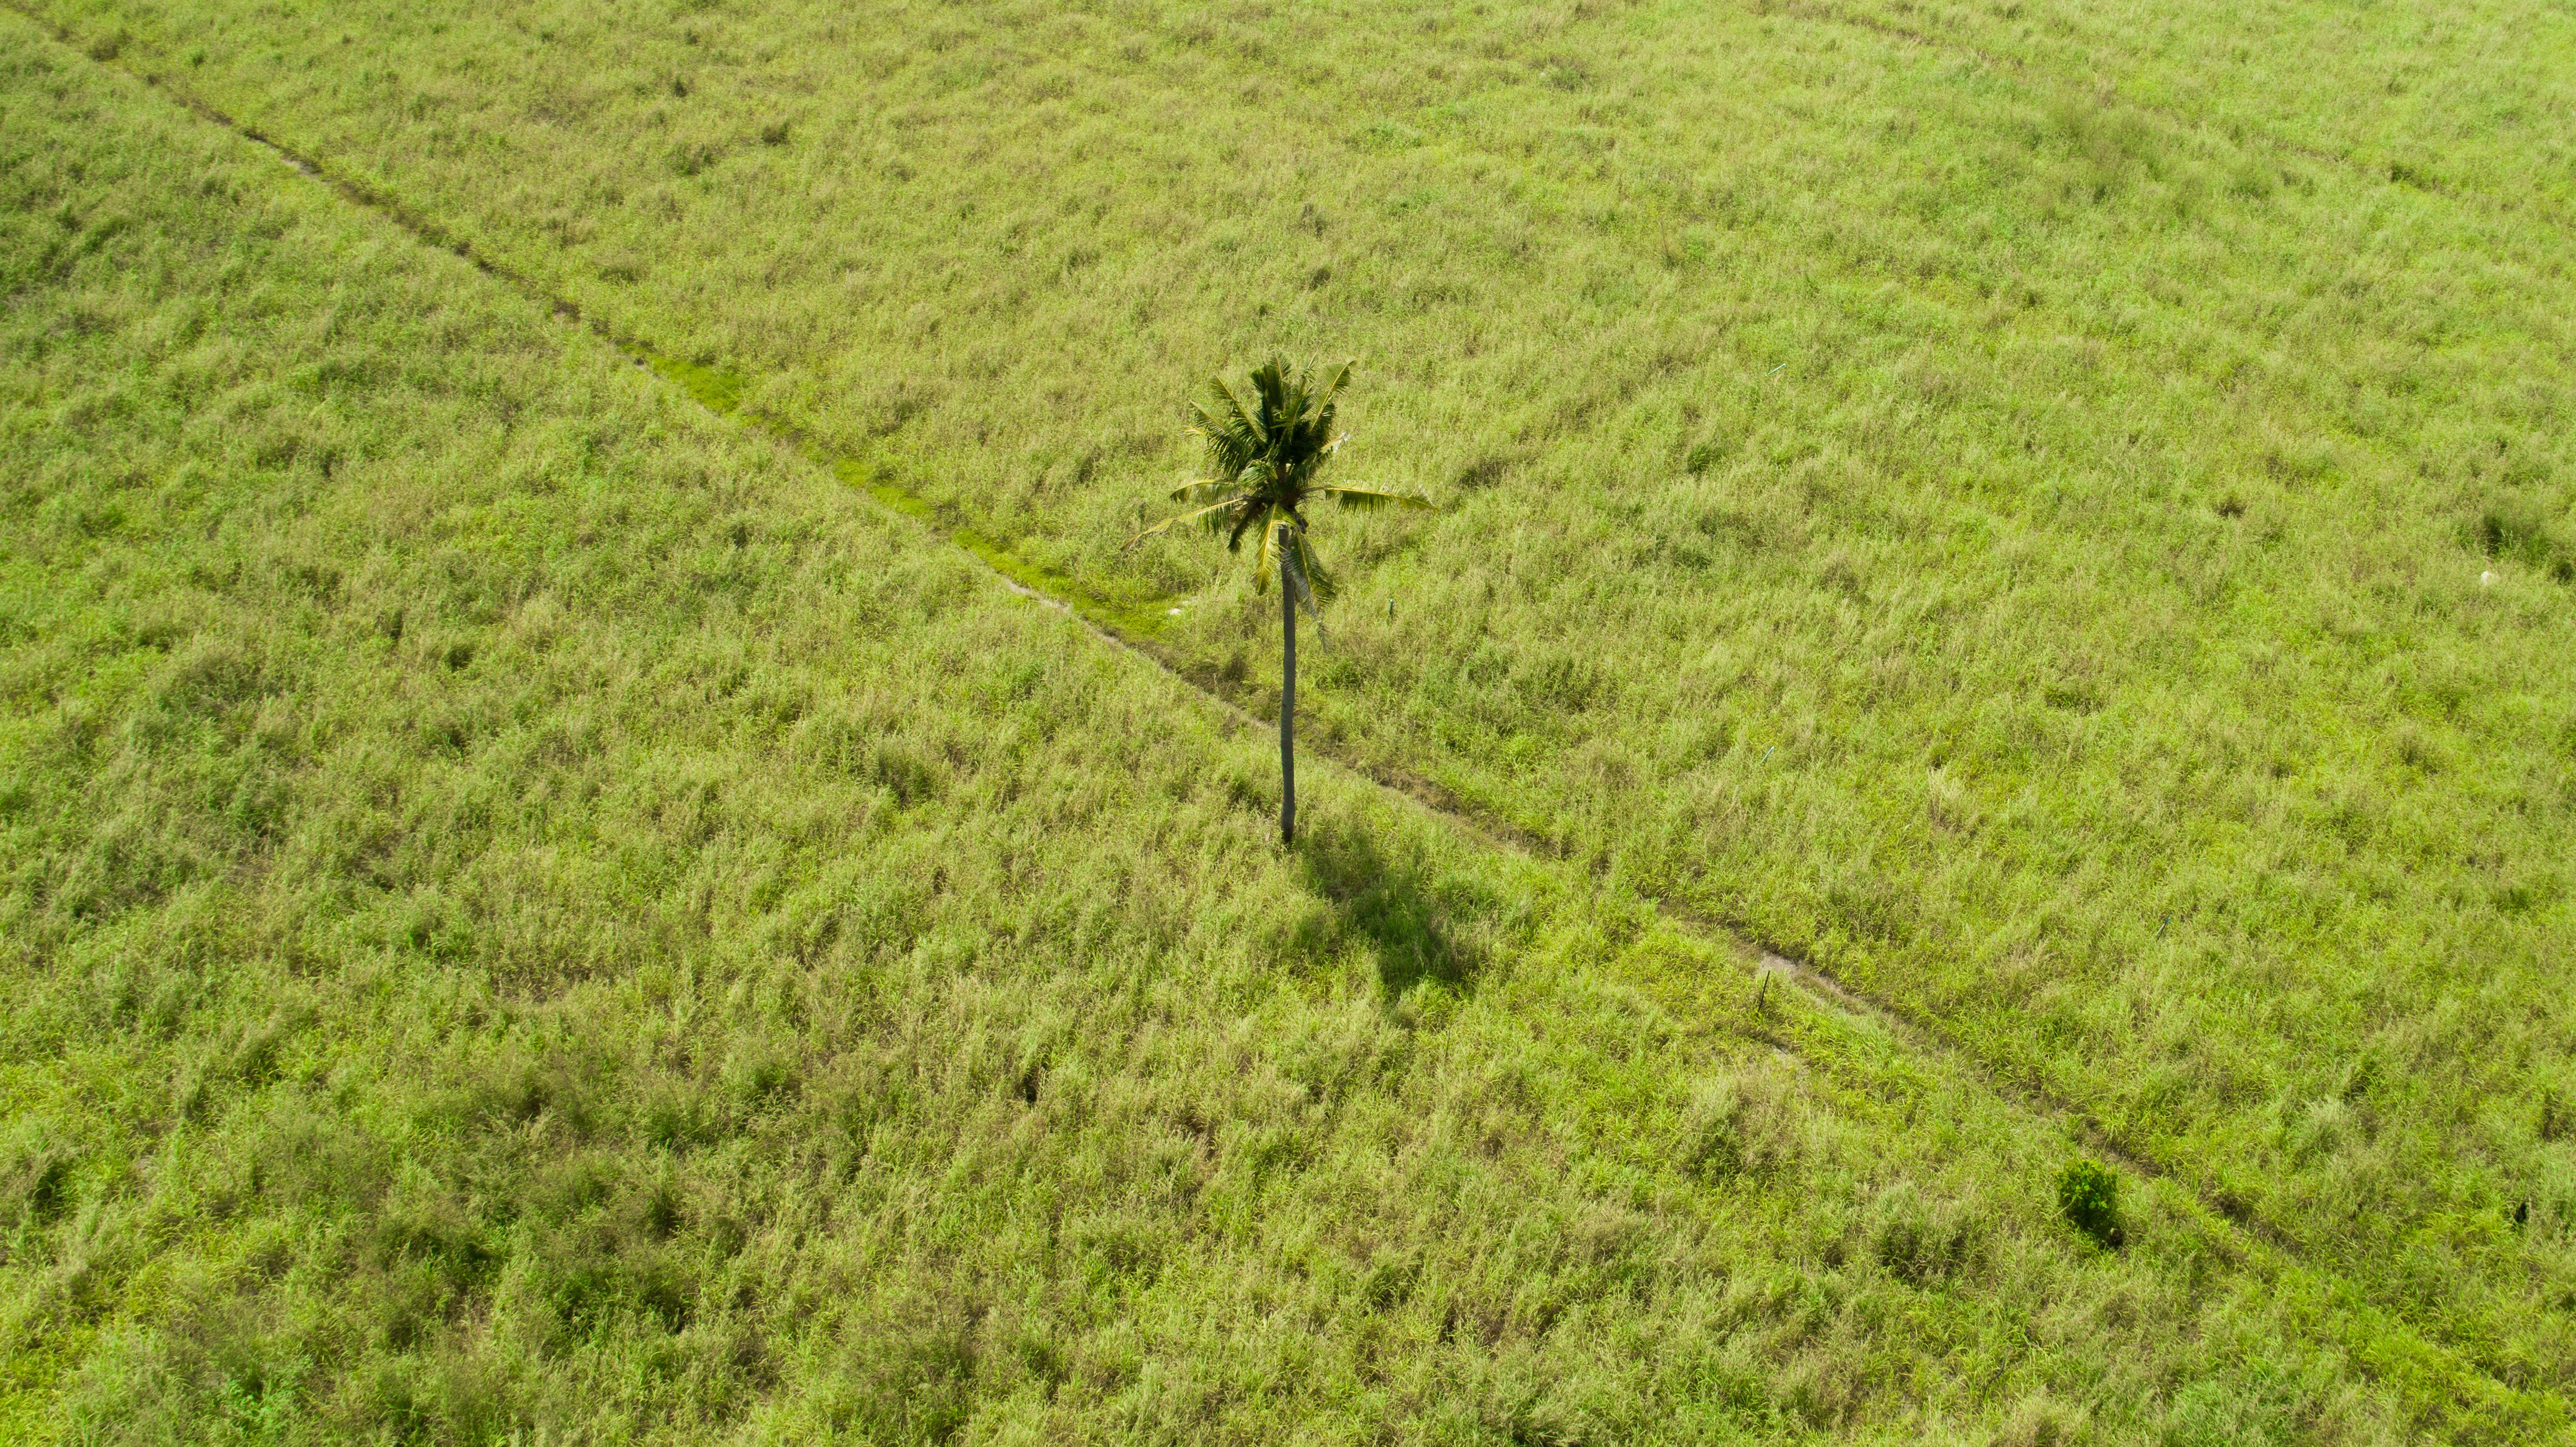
point(1263, 452)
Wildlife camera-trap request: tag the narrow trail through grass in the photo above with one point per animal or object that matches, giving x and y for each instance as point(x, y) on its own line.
point(1133, 627)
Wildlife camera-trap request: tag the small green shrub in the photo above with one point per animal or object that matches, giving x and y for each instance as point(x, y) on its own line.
point(2088, 1193)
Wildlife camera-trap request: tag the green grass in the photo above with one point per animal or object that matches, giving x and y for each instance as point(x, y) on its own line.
point(720, 392)
point(1991, 499)
point(534, 913)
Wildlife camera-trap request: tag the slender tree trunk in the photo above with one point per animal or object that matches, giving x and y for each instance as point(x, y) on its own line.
point(1288, 584)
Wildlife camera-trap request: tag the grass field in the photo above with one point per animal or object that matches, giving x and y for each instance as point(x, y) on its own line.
point(533, 906)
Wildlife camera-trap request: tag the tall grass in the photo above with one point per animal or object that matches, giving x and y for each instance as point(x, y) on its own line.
point(1994, 499)
point(531, 914)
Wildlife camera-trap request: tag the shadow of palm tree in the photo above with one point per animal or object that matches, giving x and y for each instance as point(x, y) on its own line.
point(1405, 916)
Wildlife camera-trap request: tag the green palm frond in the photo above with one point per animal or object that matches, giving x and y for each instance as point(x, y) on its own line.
point(1236, 437)
point(1265, 441)
point(1320, 587)
point(1225, 415)
point(1265, 558)
point(1369, 497)
point(1216, 518)
point(1252, 515)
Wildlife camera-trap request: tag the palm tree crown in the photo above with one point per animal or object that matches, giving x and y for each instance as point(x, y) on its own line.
point(1263, 453)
